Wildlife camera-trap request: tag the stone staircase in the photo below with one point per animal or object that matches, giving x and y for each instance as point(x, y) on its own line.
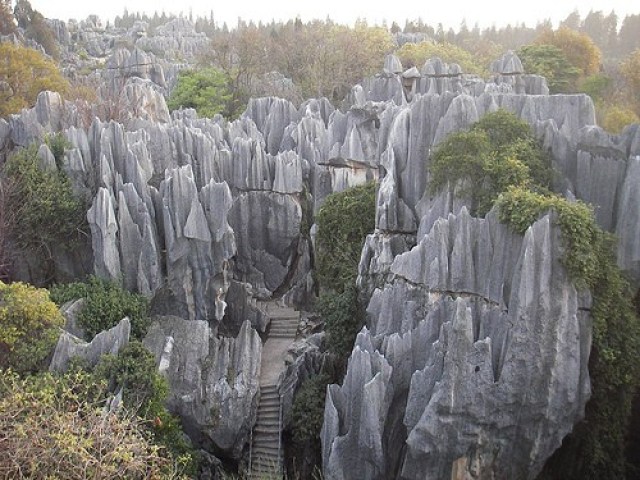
point(267, 454)
point(284, 322)
point(266, 450)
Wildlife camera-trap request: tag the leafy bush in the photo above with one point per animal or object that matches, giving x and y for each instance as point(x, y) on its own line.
point(45, 211)
point(343, 221)
point(57, 143)
point(145, 392)
point(498, 151)
point(308, 408)
point(106, 303)
point(520, 207)
point(56, 427)
point(29, 327)
point(343, 319)
point(206, 90)
point(617, 117)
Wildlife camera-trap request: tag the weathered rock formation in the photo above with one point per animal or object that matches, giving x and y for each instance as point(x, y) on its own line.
point(213, 380)
point(70, 347)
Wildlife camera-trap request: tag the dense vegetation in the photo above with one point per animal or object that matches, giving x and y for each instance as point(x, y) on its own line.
point(59, 426)
point(105, 304)
point(55, 426)
point(205, 90)
point(596, 448)
point(24, 73)
point(497, 152)
point(44, 210)
point(344, 220)
point(29, 327)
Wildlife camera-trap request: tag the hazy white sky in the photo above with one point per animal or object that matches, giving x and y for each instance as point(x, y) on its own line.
point(450, 13)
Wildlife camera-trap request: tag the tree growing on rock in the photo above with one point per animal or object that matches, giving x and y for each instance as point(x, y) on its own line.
point(36, 27)
point(550, 62)
point(206, 90)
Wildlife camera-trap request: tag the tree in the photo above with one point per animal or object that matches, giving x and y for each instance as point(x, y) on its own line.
point(499, 151)
point(7, 24)
point(24, 73)
point(205, 90)
point(36, 27)
point(577, 47)
point(550, 62)
point(416, 54)
point(618, 117)
point(630, 70)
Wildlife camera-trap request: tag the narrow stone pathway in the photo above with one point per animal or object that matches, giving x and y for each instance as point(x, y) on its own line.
point(267, 453)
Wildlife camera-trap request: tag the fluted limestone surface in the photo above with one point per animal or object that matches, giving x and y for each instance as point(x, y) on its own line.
point(213, 380)
point(108, 342)
point(477, 348)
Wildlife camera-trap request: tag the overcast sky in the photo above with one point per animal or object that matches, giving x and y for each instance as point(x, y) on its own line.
point(450, 13)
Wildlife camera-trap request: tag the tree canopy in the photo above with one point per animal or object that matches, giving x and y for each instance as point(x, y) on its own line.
point(550, 62)
point(24, 73)
point(577, 47)
point(206, 90)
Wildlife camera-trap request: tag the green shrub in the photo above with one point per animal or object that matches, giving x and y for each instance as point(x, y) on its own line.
point(106, 303)
point(308, 408)
point(58, 144)
point(520, 207)
point(145, 392)
point(29, 327)
point(344, 220)
point(343, 319)
point(45, 211)
point(498, 151)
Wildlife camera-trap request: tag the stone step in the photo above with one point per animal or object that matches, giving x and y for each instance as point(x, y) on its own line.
point(270, 423)
point(269, 402)
point(267, 419)
point(266, 429)
point(268, 454)
point(283, 335)
point(265, 438)
point(269, 395)
point(285, 321)
point(283, 327)
point(265, 472)
point(268, 408)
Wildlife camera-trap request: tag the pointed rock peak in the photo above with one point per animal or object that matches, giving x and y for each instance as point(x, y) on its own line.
point(392, 64)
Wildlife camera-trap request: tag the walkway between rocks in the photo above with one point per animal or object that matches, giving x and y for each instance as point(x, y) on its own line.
point(266, 448)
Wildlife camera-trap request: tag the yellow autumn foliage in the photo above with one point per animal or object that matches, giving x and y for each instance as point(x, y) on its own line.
point(24, 73)
point(29, 326)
